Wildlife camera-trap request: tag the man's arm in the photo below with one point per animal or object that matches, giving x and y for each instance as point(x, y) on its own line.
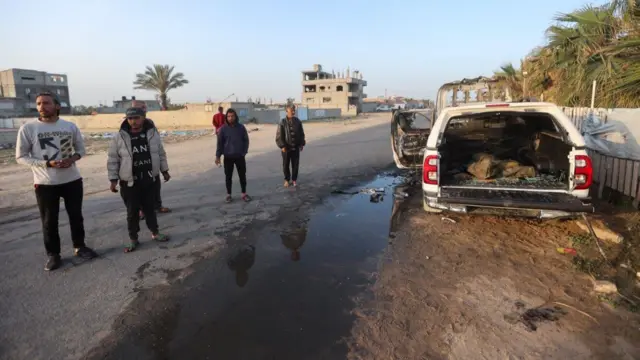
point(220, 145)
point(279, 140)
point(304, 141)
point(245, 138)
point(164, 163)
point(113, 160)
point(78, 144)
point(23, 151)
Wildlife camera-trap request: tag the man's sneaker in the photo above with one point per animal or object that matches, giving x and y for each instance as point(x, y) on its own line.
point(53, 263)
point(286, 183)
point(85, 253)
point(294, 183)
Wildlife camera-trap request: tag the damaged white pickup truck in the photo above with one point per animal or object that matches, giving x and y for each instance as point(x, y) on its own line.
point(522, 159)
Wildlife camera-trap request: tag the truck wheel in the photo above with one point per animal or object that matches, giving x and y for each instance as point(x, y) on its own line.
point(428, 208)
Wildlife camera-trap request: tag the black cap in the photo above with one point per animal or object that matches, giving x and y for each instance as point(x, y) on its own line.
point(134, 111)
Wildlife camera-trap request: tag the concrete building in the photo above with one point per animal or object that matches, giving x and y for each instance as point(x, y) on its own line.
point(123, 104)
point(24, 85)
point(324, 90)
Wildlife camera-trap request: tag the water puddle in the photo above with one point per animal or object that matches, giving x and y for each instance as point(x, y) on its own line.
point(286, 292)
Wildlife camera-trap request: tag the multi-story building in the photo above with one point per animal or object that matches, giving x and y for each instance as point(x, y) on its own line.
point(24, 85)
point(324, 90)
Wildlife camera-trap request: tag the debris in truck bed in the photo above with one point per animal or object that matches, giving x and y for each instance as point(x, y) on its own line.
point(486, 166)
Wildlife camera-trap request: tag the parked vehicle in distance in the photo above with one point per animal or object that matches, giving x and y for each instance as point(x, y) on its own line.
point(383, 108)
point(524, 159)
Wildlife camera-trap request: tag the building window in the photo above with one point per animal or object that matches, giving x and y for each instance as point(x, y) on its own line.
point(322, 88)
point(28, 78)
point(326, 99)
point(339, 88)
point(309, 100)
point(60, 92)
point(56, 78)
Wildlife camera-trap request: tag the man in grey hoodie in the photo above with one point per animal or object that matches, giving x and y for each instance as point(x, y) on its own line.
point(51, 146)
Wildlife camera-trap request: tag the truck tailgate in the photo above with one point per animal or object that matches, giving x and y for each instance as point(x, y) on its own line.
point(514, 199)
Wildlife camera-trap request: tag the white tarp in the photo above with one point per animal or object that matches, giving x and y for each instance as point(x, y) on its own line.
point(616, 137)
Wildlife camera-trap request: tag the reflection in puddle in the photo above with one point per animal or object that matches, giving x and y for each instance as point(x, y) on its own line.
point(293, 239)
point(294, 307)
point(241, 262)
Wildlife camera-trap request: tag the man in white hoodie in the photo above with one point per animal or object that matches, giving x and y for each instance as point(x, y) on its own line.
point(51, 146)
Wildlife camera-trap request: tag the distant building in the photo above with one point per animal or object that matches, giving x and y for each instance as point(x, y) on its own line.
point(323, 90)
point(123, 104)
point(20, 87)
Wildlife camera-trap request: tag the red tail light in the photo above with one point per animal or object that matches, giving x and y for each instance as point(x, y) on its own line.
point(430, 170)
point(583, 177)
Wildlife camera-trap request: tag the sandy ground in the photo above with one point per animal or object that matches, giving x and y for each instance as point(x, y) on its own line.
point(64, 314)
point(462, 291)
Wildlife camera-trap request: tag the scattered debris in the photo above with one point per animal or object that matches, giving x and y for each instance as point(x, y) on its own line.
point(401, 195)
point(601, 230)
point(579, 311)
point(568, 251)
point(532, 317)
point(342, 192)
point(448, 219)
point(376, 197)
point(586, 220)
point(604, 287)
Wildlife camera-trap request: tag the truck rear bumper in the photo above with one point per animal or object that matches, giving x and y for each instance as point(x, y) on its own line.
point(517, 203)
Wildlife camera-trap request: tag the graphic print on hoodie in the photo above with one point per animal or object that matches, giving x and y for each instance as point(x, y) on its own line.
point(141, 156)
point(39, 142)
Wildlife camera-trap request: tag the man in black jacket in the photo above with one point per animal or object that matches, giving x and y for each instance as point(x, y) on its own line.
point(290, 140)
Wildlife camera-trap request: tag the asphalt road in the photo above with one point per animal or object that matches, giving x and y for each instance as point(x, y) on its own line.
point(67, 313)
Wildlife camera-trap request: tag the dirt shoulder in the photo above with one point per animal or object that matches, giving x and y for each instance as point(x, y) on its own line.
point(463, 290)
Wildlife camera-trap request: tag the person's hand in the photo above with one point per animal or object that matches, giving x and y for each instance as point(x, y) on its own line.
point(65, 163)
point(284, 149)
point(217, 161)
point(55, 164)
point(301, 148)
point(114, 187)
point(166, 176)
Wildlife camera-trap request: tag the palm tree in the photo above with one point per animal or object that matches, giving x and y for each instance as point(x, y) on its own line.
point(160, 78)
point(599, 44)
point(510, 78)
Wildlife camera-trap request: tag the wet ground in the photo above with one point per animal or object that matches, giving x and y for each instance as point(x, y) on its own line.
point(284, 290)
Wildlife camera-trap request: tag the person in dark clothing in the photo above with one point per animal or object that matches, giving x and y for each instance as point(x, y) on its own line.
point(290, 139)
point(136, 159)
point(233, 144)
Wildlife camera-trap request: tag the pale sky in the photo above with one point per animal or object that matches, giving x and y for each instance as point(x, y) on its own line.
point(258, 48)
